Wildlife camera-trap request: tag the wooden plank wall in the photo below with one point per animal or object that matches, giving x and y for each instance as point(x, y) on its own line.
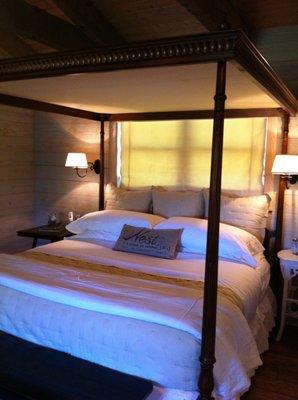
point(291, 195)
point(279, 46)
point(16, 178)
point(57, 188)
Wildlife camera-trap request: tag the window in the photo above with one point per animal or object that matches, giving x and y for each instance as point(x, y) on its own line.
point(178, 153)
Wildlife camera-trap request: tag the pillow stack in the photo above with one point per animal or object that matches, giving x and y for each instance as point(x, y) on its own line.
point(156, 236)
point(247, 212)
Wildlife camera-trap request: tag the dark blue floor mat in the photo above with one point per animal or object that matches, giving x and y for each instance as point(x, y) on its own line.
point(29, 371)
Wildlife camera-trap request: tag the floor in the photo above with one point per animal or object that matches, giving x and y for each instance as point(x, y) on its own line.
point(277, 379)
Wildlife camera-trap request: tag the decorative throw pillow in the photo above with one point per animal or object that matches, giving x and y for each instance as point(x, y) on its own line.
point(123, 199)
point(184, 203)
point(161, 243)
point(249, 213)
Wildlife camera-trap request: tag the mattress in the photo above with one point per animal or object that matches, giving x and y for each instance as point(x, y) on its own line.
point(164, 354)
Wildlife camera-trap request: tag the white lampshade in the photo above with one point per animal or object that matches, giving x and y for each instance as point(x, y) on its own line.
point(285, 164)
point(76, 160)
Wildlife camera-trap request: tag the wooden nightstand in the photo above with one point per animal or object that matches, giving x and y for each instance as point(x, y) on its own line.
point(45, 232)
point(289, 269)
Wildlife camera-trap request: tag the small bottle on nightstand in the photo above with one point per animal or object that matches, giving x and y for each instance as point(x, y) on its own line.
point(295, 246)
point(70, 216)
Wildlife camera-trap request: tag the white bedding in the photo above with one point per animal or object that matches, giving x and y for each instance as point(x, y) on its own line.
point(249, 283)
point(156, 303)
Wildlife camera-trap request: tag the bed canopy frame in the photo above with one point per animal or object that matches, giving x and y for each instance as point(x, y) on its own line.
point(219, 47)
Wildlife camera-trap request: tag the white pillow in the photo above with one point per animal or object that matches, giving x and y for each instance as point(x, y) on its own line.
point(89, 234)
point(235, 244)
point(109, 223)
point(184, 203)
point(123, 199)
point(249, 213)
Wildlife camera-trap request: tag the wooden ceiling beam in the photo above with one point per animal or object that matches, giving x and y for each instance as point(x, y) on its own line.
point(91, 21)
point(14, 45)
point(31, 22)
point(213, 13)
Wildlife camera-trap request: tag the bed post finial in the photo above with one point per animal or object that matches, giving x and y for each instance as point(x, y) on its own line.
point(102, 163)
point(207, 358)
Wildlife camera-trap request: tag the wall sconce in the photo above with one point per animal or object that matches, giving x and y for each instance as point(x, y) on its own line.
point(286, 165)
point(79, 161)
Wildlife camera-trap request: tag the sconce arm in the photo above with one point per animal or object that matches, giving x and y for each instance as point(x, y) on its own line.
point(95, 166)
point(290, 180)
point(79, 175)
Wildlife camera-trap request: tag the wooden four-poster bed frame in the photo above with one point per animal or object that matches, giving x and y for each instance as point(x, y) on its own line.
point(219, 47)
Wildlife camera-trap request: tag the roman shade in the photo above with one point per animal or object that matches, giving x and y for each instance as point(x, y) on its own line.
point(178, 153)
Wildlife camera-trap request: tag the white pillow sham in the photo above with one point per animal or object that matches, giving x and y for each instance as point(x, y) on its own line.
point(177, 203)
point(235, 244)
point(123, 199)
point(249, 212)
point(108, 223)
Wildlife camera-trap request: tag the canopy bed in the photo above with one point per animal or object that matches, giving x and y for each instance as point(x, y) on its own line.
point(159, 80)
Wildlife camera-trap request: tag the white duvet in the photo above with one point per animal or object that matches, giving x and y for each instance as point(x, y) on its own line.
point(236, 351)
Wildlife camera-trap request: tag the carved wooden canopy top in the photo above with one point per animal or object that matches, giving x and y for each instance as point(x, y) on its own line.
point(212, 47)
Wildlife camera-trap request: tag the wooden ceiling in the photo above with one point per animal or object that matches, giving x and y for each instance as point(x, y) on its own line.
point(38, 26)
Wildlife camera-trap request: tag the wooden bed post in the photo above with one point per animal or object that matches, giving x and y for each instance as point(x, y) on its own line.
point(207, 358)
point(102, 164)
point(276, 276)
point(282, 184)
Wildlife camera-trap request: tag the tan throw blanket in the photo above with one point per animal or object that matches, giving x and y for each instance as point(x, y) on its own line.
point(222, 291)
